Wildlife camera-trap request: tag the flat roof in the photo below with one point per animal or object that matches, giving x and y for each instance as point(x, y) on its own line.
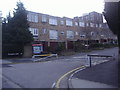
point(111, 0)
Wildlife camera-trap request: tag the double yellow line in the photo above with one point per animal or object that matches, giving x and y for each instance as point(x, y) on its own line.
point(58, 82)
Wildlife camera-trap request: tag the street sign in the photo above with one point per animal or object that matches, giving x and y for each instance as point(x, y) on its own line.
point(37, 48)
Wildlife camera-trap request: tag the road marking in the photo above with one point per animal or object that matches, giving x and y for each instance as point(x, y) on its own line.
point(58, 82)
point(85, 56)
point(25, 62)
point(53, 85)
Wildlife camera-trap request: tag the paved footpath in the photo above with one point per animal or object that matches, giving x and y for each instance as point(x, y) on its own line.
point(104, 75)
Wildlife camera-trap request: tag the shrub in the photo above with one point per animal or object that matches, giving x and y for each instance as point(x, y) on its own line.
point(60, 47)
point(96, 45)
point(78, 46)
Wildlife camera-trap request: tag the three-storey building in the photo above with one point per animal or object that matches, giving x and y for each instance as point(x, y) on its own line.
point(50, 30)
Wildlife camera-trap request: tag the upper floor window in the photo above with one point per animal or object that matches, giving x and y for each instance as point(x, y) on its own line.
point(92, 33)
point(96, 25)
point(53, 21)
point(91, 25)
point(34, 31)
point(53, 34)
point(81, 18)
point(82, 24)
point(44, 31)
point(62, 33)
point(70, 34)
point(69, 23)
point(82, 35)
point(32, 17)
point(62, 22)
point(100, 25)
point(76, 33)
point(44, 18)
point(87, 24)
point(76, 23)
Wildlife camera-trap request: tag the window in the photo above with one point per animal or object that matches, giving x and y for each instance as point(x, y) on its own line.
point(44, 31)
point(81, 19)
point(76, 24)
point(53, 34)
point(92, 33)
point(91, 25)
point(62, 22)
point(91, 16)
point(82, 35)
point(69, 23)
point(34, 31)
point(82, 24)
point(70, 34)
point(87, 24)
point(76, 33)
point(53, 21)
point(32, 17)
point(100, 25)
point(107, 26)
point(36, 18)
point(44, 19)
point(62, 33)
point(96, 25)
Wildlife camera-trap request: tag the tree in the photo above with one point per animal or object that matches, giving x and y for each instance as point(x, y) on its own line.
point(20, 25)
point(16, 32)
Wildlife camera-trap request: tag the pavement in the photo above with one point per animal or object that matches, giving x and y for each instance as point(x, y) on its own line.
point(104, 75)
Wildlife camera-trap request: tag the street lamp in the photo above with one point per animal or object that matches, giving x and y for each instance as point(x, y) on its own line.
point(112, 16)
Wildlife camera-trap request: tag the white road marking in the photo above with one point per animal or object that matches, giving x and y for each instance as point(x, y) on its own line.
point(53, 85)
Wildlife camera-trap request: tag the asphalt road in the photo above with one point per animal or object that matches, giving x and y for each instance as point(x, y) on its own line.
point(44, 74)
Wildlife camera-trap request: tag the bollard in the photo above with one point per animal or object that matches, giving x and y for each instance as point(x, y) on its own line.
point(90, 61)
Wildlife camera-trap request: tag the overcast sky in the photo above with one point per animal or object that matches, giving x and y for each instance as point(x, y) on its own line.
point(68, 8)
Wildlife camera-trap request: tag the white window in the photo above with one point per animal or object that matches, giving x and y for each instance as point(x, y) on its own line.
point(87, 24)
point(76, 23)
point(92, 33)
point(91, 25)
point(70, 34)
point(44, 19)
point(82, 35)
point(32, 17)
point(44, 31)
point(96, 25)
point(53, 34)
point(62, 33)
point(62, 22)
point(102, 35)
point(29, 17)
point(69, 23)
point(53, 21)
point(91, 16)
point(81, 24)
point(76, 33)
point(34, 31)
point(100, 25)
point(36, 18)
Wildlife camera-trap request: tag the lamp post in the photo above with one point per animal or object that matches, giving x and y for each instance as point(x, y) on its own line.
point(112, 16)
point(0, 34)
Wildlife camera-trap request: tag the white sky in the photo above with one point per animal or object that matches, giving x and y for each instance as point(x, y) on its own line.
point(67, 8)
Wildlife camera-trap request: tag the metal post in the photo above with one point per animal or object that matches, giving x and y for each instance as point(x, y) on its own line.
point(90, 61)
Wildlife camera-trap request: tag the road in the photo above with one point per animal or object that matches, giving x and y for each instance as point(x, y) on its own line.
point(44, 74)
